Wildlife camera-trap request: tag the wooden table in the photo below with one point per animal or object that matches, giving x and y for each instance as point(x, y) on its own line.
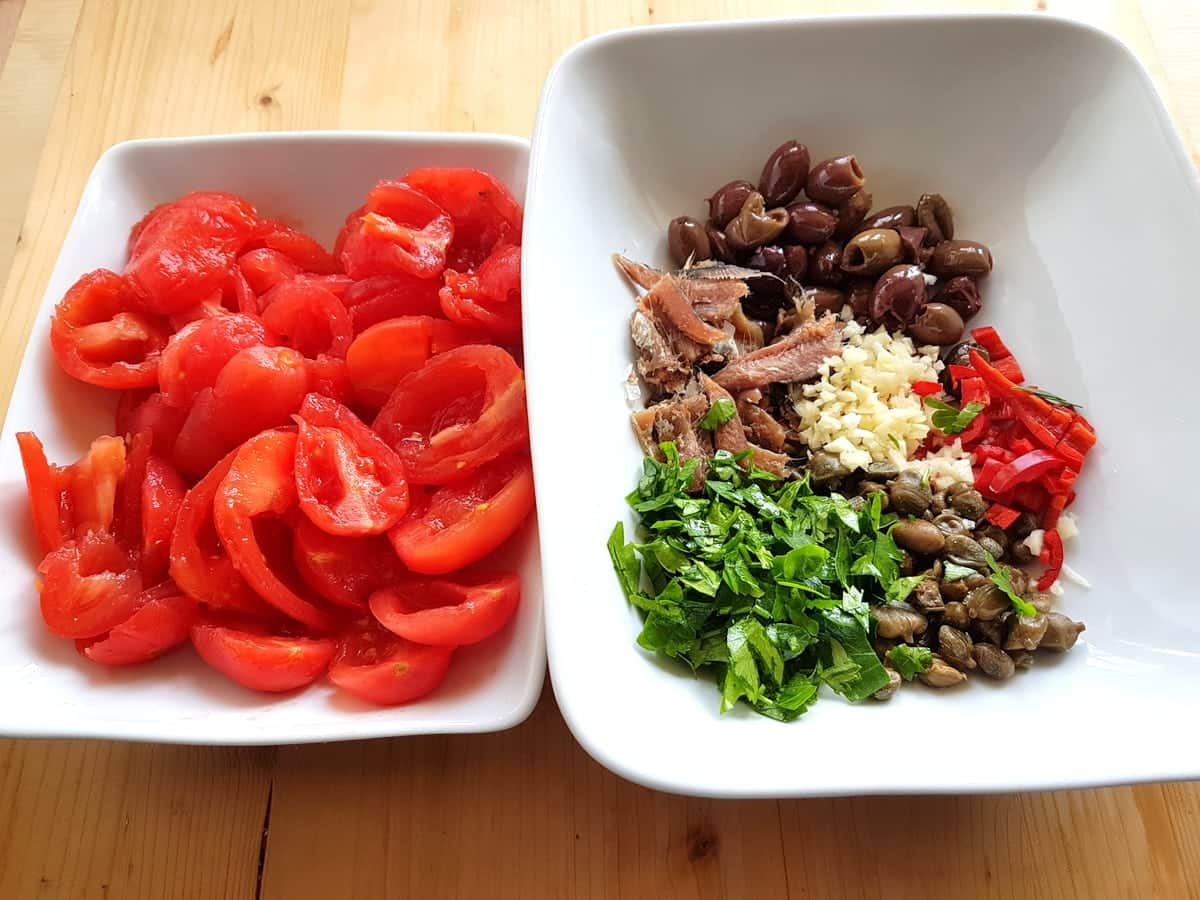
point(523, 814)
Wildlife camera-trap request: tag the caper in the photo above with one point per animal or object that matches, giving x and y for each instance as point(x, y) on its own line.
point(1026, 632)
point(949, 523)
point(871, 252)
point(728, 201)
point(1061, 632)
point(955, 613)
point(986, 602)
point(994, 662)
point(933, 213)
point(990, 631)
point(910, 494)
point(927, 598)
point(881, 470)
point(968, 503)
point(1039, 600)
point(898, 621)
point(991, 546)
point(825, 467)
point(1022, 659)
point(940, 674)
point(954, 646)
point(937, 324)
point(888, 690)
point(919, 536)
point(965, 551)
point(687, 240)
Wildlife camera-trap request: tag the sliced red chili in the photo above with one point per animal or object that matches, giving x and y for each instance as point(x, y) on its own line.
point(1052, 544)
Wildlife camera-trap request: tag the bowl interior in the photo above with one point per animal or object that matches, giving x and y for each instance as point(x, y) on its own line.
point(1048, 140)
point(314, 181)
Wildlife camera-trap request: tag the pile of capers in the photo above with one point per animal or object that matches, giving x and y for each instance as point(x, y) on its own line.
point(813, 223)
point(969, 623)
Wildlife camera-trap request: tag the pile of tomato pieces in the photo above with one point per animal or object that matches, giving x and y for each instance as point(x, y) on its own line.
point(314, 453)
point(1028, 451)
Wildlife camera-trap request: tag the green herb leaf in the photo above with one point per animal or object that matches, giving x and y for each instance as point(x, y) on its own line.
point(1001, 580)
point(721, 411)
point(909, 661)
point(624, 560)
point(955, 572)
point(1050, 398)
point(791, 701)
point(949, 419)
point(667, 636)
point(898, 590)
point(850, 638)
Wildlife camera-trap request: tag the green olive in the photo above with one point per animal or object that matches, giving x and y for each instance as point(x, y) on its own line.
point(872, 252)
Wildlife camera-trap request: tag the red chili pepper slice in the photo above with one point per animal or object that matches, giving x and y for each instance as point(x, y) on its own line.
point(1010, 368)
point(1000, 515)
point(987, 338)
point(926, 388)
point(1052, 545)
point(1027, 467)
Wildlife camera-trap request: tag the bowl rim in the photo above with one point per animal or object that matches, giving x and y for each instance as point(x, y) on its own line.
point(572, 715)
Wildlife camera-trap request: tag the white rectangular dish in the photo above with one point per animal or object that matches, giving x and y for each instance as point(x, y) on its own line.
point(311, 180)
point(1052, 146)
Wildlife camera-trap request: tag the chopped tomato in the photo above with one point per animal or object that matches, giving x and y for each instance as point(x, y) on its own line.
point(262, 662)
point(259, 388)
point(264, 268)
point(447, 612)
point(129, 519)
point(308, 318)
point(377, 666)
point(303, 250)
point(160, 623)
point(137, 411)
point(384, 353)
point(101, 335)
point(343, 570)
point(329, 377)
point(198, 352)
point(463, 408)
point(88, 587)
point(382, 297)
point(462, 522)
point(199, 564)
point(400, 231)
point(182, 255)
point(489, 298)
point(349, 481)
point(93, 483)
point(484, 212)
point(162, 493)
point(261, 482)
point(49, 501)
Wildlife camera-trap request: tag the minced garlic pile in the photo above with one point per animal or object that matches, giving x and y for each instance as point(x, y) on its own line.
point(862, 408)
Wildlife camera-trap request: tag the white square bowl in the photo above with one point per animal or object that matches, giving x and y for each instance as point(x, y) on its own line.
point(1052, 146)
point(312, 180)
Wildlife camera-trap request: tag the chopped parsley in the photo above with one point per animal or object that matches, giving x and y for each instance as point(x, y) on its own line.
point(910, 661)
point(761, 584)
point(721, 411)
point(949, 419)
point(1001, 580)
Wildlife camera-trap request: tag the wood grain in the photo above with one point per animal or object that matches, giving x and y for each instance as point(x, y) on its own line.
point(524, 814)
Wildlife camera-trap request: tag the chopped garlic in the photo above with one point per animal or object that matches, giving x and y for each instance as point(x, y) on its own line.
point(862, 408)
